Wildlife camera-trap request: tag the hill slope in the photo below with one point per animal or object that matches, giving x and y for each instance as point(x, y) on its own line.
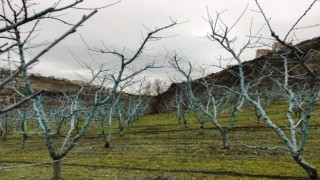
point(252, 70)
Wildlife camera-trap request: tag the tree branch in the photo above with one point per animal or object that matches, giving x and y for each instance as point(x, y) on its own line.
point(35, 59)
point(21, 102)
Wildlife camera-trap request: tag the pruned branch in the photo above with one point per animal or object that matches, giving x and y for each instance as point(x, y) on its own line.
point(295, 24)
point(36, 58)
point(261, 147)
point(36, 16)
point(21, 102)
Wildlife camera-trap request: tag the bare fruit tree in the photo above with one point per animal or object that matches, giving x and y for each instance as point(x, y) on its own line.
point(13, 18)
point(124, 74)
point(159, 86)
point(209, 104)
point(294, 142)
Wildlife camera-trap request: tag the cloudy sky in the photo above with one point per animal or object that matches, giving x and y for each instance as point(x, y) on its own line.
point(121, 27)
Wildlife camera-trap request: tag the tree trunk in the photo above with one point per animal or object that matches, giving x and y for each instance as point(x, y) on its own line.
point(258, 115)
point(183, 118)
point(23, 129)
point(77, 127)
point(224, 134)
point(201, 129)
point(121, 131)
point(106, 144)
point(5, 131)
point(312, 171)
point(57, 170)
point(23, 141)
point(106, 141)
point(129, 123)
point(201, 122)
point(5, 136)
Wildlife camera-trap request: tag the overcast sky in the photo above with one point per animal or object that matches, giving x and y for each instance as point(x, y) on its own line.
point(120, 27)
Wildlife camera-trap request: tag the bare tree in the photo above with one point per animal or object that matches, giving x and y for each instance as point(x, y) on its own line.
point(21, 14)
point(179, 104)
point(159, 86)
point(16, 14)
point(99, 100)
point(212, 101)
point(26, 114)
point(103, 114)
point(220, 32)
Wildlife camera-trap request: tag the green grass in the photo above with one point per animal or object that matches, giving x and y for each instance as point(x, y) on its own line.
point(158, 147)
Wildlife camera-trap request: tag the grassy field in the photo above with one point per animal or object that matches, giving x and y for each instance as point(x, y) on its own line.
point(157, 147)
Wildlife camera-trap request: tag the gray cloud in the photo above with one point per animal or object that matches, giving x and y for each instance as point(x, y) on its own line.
point(121, 25)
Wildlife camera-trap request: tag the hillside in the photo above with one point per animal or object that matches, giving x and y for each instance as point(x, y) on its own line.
point(252, 70)
point(55, 87)
point(54, 90)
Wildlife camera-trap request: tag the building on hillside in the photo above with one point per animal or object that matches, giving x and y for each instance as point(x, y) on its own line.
point(276, 47)
point(263, 52)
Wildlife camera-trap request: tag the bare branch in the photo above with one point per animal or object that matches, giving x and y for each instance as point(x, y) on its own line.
point(295, 24)
point(21, 102)
point(261, 147)
point(36, 58)
point(80, 8)
point(24, 21)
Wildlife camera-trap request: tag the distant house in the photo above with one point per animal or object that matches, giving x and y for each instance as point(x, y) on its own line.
point(263, 52)
point(276, 47)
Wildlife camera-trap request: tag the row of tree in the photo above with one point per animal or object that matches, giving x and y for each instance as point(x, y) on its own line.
point(19, 22)
point(290, 76)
